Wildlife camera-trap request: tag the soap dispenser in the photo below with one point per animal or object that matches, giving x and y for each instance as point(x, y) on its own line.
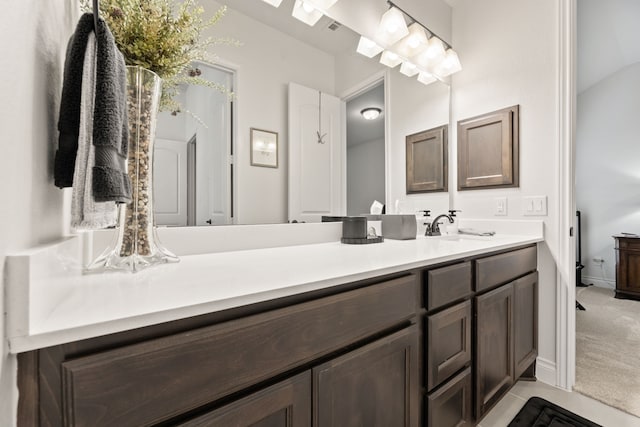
point(452, 228)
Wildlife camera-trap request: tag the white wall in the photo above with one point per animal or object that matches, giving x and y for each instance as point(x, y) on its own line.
point(265, 64)
point(365, 176)
point(607, 169)
point(412, 108)
point(509, 56)
point(34, 35)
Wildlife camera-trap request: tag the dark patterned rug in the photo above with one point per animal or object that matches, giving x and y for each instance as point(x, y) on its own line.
point(538, 412)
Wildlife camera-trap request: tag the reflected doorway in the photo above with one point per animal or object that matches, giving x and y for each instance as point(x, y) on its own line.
point(193, 159)
point(365, 150)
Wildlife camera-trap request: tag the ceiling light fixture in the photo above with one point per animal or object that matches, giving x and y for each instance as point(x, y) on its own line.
point(416, 47)
point(371, 113)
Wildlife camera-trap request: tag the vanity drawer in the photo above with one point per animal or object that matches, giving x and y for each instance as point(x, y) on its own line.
point(502, 268)
point(155, 380)
point(448, 344)
point(451, 405)
point(447, 284)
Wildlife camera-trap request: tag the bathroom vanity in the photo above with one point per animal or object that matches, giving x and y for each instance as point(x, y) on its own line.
point(432, 331)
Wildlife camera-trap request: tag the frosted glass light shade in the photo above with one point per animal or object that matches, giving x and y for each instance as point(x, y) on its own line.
point(274, 3)
point(426, 78)
point(450, 64)
point(306, 12)
point(435, 48)
point(390, 59)
point(414, 43)
point(371, 113)
point(322, 4)
point(368, 48)
point(392, 27)
point(409, 69)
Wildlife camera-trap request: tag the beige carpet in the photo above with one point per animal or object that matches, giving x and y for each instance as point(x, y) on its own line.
point(608, 349)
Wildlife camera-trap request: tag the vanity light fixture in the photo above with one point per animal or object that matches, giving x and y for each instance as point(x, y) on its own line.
point(392, 26)
point(419, 49)
point(371, 113)
point(426, 78)
point(274, 3)
point(310, 11)
point(306, 12)
point(449, 65)
point(390, 59)
point(368, 47)
point(409, 69)
point(414, 43)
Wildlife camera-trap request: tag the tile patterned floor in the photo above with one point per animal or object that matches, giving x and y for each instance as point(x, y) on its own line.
point(598, 412)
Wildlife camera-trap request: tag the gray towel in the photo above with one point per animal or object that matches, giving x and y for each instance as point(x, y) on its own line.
point(69, 119)
point(110, 124)
point(110, 133)
point(86, 214)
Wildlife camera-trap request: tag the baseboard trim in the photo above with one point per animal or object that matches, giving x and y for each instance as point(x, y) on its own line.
point(599, 282)
point(546, 371)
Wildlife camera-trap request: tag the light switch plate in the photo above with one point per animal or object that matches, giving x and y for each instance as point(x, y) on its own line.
point(534, 206)
point(500, 208)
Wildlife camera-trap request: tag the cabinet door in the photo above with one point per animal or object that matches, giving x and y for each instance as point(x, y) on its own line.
point(285, 404)
point(448, 346)
point(494, 347)
point(376, 385)
point(627, 267)
point(525, 321)
point(450, 405)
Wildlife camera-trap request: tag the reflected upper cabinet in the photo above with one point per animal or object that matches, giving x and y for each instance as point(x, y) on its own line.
point(427, 161)
point(488, 150)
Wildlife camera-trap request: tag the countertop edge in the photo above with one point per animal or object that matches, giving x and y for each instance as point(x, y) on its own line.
point(21, 338)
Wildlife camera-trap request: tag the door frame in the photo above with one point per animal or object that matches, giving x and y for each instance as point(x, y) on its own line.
point(348, 95)
point(566, 278)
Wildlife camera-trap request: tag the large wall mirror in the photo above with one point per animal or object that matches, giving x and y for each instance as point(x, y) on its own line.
point(203, 172)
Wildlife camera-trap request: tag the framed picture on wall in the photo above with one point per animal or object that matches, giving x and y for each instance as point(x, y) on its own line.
point(264, 148)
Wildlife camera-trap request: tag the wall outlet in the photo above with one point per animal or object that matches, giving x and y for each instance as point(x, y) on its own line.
point(534, 205)
point(500, 208)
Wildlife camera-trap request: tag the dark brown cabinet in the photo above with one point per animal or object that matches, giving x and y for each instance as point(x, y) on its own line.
point(448, 345)
point(627, 266)
point(525, 322)
point(451, 405)
point(435, 346)
point(506, 324)
point(374, 386)
point(285, 404)
point(494, 347)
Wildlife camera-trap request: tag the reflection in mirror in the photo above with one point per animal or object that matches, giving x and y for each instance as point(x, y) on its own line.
point(277, 50)
point(365, 150)
point(192, 152)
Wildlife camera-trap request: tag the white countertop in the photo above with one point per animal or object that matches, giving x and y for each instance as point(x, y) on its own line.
point(50, 301)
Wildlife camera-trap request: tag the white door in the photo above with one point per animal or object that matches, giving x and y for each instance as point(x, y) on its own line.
point(213, 147)
point(316, 146)
point(170, 204)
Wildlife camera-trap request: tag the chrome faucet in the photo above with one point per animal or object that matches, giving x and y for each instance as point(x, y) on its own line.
point(433, 229)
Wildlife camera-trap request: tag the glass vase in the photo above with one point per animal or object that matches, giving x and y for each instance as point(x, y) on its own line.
point(137, 245)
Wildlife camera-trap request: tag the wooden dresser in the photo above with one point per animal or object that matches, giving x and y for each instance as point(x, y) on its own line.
point(627, 249)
